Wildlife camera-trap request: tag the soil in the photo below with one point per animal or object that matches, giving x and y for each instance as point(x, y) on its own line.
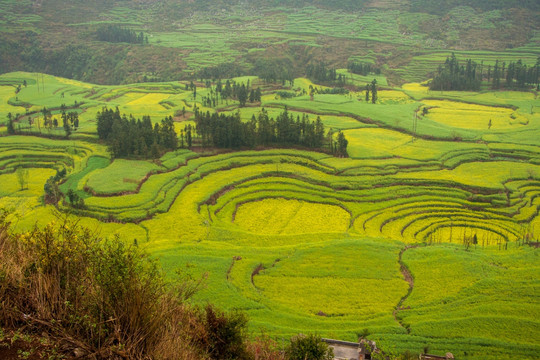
point(407, 276)
point(20, 349)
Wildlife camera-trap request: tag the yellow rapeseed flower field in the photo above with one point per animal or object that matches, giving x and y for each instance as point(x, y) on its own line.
point(147, 99)
point(281, 216)
point(473, 116)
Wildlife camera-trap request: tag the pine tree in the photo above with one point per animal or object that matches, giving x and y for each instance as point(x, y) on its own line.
point(342, 143)
point(189, 136)
point(67, 127)
point(242, 95)
point(258, 94)
point(374, 91)
point(10, 127)
point(367, 92)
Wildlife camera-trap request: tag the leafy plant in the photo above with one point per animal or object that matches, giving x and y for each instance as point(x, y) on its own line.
point(309, 347)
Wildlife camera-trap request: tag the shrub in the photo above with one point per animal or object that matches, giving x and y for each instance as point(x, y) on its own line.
point(265, 348)
point(282, 94)
point(222, 334)
point(309, 347)
point(95, 296)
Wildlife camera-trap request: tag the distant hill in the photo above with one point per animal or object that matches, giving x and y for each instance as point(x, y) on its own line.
point(118, 41)
point(440, 7)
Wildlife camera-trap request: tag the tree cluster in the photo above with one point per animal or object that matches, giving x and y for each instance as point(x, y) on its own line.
point(516, 75)
point(320, 72)
point(468, 76)
point(373, 88)
point(228, 131)
point(221, 71)
point(453, 76)
point(274, 70)
point(362, 68)
point(70, 120)
point(115, 33)
point(127, 137)
point(232, 90)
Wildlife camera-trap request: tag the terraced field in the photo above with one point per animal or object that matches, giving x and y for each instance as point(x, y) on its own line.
point(303, 241)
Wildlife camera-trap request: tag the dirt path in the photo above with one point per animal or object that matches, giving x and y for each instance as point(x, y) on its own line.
point(407, 276)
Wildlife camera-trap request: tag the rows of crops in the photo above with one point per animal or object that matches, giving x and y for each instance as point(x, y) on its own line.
point(305, 241)
point(411, 203)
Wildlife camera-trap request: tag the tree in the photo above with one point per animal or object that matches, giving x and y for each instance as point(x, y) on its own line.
point(188, 136)
point(496, 75)
point(453, 76)
point(258, 93)
point(154, 149)
point(310, 347)
point(52, 191)
point(22, 177)
point(367, 92)
point(342, 143)
point(115, 33)
point(242, 95)
point(129, 136)
point(10, 127)
point(67, 126)
point(374, 91)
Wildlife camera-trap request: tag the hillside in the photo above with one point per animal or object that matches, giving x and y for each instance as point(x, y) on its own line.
point(185, 37)
point(423, 233)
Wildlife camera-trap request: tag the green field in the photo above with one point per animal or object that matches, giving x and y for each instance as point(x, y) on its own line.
point(426, 234)
point(300, 241)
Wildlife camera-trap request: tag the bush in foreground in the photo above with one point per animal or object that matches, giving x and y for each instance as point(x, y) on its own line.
point(309, 347)
point(103, 299)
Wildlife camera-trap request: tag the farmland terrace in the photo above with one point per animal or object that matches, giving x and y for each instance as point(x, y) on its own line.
point(424, 232)
point(284, 216)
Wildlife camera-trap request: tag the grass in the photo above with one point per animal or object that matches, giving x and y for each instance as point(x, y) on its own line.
point(120, 176)
point(324, 233)
point(302, 240)
point(315, 268)
point(477, 281)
